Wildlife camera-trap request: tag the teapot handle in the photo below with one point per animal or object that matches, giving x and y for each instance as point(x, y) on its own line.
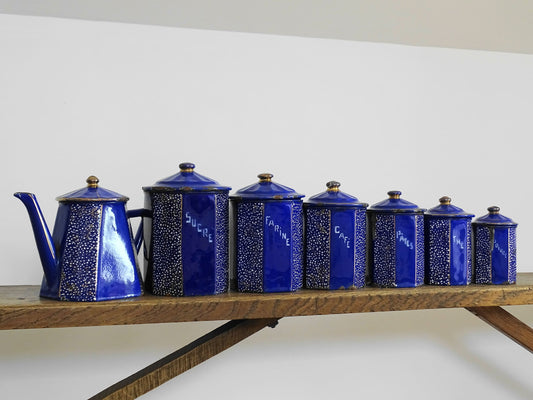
point(138, 239)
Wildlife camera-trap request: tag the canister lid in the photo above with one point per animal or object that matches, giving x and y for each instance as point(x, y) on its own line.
point(494, 218)
point(265, 189)
point(92, 192)
point(395, 204)
point(334, 197)
point(446, 209)
point(187, 180)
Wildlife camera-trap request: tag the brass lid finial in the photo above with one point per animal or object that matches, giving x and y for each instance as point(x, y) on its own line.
point(493, 210)
point(265, 177)
point(92, 181)
point(333, 186)
point(445, 200)
point(394, 194)
point(187, 167)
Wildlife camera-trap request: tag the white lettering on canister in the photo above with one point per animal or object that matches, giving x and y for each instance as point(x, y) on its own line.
point(501, 250)
point(341, 236)
point(269, 223)
point(203, 232)
point(403, 239)
point(458, 242)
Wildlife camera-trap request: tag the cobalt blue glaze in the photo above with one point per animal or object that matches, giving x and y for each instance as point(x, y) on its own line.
point(90, 256)
point(269, 237)
point(396, 244)
point(186, 229)
point(335, 240)
point(494, 248)
point(448, 245)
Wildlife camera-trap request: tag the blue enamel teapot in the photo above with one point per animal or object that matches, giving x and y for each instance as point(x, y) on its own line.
point(90, 256)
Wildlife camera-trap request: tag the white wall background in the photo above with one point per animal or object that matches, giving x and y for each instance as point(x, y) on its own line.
point(128, 103)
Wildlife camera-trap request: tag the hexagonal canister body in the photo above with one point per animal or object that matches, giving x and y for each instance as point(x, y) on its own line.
point(448, 234)
point(335, 240)
point(186, 235)
point(268, 236)
point(494, 248)
point(396, 243)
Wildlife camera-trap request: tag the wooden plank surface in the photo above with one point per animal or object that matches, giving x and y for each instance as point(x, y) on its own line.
point(21, 307)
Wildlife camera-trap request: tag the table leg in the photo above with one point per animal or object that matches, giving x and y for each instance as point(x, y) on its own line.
point(184, 359)
point(506, 323)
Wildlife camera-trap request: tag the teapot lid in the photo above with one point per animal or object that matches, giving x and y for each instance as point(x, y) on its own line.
point(187, 180)
point(494, 218)
point(446, 209)
point(334, 197)
point(395, 204)
point(265, 189)
point(92, 192)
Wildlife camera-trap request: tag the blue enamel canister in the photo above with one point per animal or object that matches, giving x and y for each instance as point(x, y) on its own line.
point(268, 237)
point(335, 240)
point(494, 248)
point(90, 255)
point(448, 245)
point(186, 231)
point(396, 248)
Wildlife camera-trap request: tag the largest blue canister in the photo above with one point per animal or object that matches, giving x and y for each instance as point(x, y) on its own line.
point(396, 251)
point(186, 232)
point(268, 237)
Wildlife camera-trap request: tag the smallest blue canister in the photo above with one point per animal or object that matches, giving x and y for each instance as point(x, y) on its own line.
point(396, 250)
point(494, 248)
point(335, 240)
point(448, 232)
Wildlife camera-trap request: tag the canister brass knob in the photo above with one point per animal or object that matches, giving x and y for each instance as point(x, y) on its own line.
point(187, 167)
point(493, 210)
point(333, 186)
point(266, 177)
point(445, 200)
point(92, 181)
point(394, 194)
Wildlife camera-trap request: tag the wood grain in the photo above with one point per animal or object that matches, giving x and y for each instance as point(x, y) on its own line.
point(22, 308)
point(184, 359)
point(507, 324)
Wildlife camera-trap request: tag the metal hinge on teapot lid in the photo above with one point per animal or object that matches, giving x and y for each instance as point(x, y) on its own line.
point(92, 192)
point(494, 218)
point(395, 204)
point(265, 189)
point(446, 209)
point(187, 180)
point(334, 197)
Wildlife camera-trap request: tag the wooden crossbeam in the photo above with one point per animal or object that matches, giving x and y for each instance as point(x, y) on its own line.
point(184, 359)
point(506, 323)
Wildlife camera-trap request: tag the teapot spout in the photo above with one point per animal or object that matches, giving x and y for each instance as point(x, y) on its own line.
point(44, 241)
